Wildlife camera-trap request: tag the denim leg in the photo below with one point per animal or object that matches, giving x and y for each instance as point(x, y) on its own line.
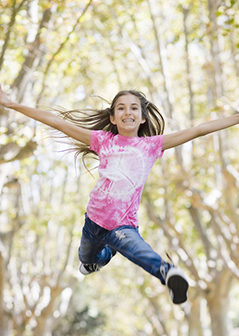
point(92, 249)
point(130, 244)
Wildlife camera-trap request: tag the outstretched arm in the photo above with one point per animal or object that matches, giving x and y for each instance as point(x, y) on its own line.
point(48, 118)
point(179, 138)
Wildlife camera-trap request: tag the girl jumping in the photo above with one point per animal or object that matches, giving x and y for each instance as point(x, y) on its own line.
point(128, 138)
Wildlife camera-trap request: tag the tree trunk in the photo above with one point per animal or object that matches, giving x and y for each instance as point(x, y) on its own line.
point(162, 53)
point(15, 10)
point(218, 310)
point(2, 319)
point(4, 327)
point(189, 81)
point(194, 318)
point(47, 311)
point(216, 72)
point(32, 59)
point(218, 303)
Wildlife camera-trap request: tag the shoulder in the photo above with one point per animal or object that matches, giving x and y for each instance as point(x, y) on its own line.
point(154, 145)
point(99, 138)
point(154, 140)
point(101, 135)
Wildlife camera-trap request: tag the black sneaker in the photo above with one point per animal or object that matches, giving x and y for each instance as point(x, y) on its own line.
point(86, 269)
point(176, 282)
point(177, 285)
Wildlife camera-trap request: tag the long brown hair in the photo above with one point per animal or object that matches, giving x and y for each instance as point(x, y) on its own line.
point(95, 119)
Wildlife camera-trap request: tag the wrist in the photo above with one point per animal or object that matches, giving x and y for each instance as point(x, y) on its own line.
point(12, 105)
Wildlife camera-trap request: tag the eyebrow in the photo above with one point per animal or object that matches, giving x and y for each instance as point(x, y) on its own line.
point(124, 104)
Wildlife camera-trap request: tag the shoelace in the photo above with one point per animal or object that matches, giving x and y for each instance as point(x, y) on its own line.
point(92, 267)
point(162, 267)
point(170, 259)
point(162, 270)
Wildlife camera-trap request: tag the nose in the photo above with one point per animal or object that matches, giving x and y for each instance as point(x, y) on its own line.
point(128, 110)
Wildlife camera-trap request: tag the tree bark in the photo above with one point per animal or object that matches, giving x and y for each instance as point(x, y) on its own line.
point(218, 303)
point(194, 318)
point(216, 72)
point(162, 53)
point(47, 311)
point(15, 10)
point(189, 81)
point(2, 280)
point(32, 59)
point(60, 48)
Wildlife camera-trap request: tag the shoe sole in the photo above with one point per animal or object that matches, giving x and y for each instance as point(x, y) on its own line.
point(178, 287)
point(83, 270)
point(177, 284)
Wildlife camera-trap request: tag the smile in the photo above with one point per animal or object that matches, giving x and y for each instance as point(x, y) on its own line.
point(128, 120)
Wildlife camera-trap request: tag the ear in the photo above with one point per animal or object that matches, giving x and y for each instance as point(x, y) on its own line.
point(112, 119)
point(143, 121)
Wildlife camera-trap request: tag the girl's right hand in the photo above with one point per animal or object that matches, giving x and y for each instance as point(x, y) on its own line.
point(4, 101)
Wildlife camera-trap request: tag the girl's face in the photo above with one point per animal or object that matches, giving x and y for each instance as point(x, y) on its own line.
point(127, 115)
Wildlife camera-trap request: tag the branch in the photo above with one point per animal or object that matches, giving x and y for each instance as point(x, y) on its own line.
point(221, 236)
point(189, 81)
point(198, 225)
point(9, 151)
point(61, 46)
point(15, 10)
point(162, 53)
point(229, 264)
point(41, 320)
point(67, 254)
point(2, 281)
point(197, 202)
point(34, 54)
point(232, 180)
point(136, 50)
point(25, 152)
point(166, 226)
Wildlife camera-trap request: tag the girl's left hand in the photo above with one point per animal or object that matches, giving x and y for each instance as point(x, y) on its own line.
point(4, 101)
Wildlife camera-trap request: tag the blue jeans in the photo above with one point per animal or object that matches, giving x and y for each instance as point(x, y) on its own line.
point(99, 245)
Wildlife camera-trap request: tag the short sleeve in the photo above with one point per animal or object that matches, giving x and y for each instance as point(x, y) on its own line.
point(97, 139)
point(160, 145)
point(155, 145)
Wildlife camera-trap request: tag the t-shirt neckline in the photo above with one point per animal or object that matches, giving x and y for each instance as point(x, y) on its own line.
point(123, 137)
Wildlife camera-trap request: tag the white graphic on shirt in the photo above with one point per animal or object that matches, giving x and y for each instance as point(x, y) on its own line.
point(123, 172)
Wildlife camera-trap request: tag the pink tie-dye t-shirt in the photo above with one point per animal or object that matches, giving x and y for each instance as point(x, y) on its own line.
point(125, 163)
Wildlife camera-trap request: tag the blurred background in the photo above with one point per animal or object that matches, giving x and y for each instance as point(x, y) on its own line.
point(184, 55)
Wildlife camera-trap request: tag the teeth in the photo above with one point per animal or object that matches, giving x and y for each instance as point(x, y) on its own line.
point(128, 120)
